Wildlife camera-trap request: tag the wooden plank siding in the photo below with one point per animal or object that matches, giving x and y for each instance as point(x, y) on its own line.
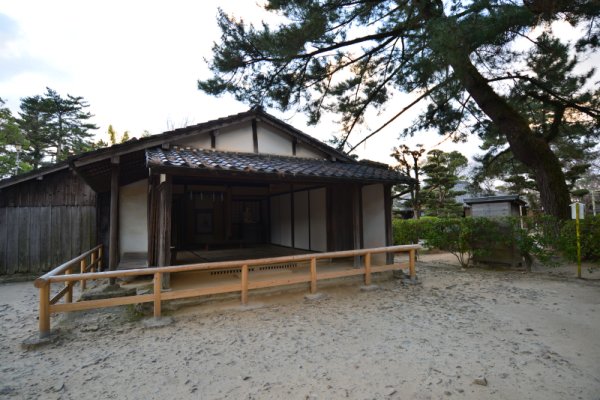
point(45, 222)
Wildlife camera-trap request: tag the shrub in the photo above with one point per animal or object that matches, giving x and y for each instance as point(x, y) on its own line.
point(539, 237)
point(589, 228)
point(408, 231)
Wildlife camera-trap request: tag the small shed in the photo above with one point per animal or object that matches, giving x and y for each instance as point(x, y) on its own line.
point(497, 207)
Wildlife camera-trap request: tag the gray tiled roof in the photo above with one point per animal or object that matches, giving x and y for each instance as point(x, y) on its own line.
point(211, 160)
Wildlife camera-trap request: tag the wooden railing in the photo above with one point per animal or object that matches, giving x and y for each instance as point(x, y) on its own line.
point(62, 274)
point(43, 283)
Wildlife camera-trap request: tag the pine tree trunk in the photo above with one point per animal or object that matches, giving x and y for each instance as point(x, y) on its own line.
point(530, 150)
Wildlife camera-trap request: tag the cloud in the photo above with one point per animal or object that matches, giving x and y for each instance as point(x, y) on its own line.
point(14, 60)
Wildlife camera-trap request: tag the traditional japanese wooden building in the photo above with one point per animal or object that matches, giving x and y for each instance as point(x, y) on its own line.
point(235, 182)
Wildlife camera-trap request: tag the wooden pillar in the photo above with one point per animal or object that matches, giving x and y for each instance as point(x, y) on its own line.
point(164, 233)
point(153, 225)
point(113, 247)
point(389, 238)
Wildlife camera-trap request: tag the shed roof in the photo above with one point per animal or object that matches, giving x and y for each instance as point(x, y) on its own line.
point(280, 166)
point(496, 199)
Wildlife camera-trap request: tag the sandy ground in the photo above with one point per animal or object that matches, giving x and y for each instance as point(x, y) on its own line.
point(531, 335)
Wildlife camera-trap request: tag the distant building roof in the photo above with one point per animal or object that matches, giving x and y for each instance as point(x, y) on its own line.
point(496, 199)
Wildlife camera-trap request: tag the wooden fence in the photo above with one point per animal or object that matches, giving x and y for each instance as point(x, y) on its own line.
point(63, 274)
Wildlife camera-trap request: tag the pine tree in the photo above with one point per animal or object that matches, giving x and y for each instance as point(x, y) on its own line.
point(571, 133)
point(55, 127)
point(10, 139)
point(112, 135)
point(69, 126)
point(34, 123)
point(409, 163)
point(443, 172)
point(349, 57)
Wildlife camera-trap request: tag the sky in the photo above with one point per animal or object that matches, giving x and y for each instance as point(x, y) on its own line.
point(137, 63)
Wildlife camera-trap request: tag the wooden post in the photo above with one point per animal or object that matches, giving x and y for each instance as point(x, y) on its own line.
point(157, 293)
point(313, 275)
point(100, 265)
point(113, 247)
point(245, 284)
point(44, 322)
point(411, 263)
point(368, 269)
point(83, 282)
point(164, 226)
point(93, 262)
point(69, 294)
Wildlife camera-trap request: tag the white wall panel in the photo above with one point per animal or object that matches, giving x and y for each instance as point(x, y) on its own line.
point(301, 221)
point(318, 219)
point(373, 218)
point(285, 214)
point(272, 142)
point(133, 217)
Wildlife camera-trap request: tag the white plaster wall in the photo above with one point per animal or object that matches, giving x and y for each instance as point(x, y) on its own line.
point(318, 219)
point(301, 221)
point(270, 141)
point(305, 151)
point(236, 138)
point(197, 141)
point(373, 219)
point(133, 217)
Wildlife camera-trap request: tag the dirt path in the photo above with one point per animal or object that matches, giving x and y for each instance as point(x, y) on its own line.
point(533, 336)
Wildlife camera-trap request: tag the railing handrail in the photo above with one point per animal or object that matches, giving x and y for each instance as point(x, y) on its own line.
point(50, 277)
point(64, 266)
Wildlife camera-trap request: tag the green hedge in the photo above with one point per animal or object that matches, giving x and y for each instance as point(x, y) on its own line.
point(542, 237)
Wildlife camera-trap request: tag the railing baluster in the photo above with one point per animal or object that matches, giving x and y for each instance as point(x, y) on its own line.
point(83, 282)
point(313, 275)
point(44, 322)
point(157, 293)
point(368, 269)
point(245, 284)
point(69, 296)
point(93, 262)
point(100, 265)
point(411, 263)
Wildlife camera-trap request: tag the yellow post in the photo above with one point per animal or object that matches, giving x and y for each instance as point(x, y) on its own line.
point(578, 240)
point(313, 275)
point(157, 292)
point(245, 284)
point(44, 322)
point(368, 269)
